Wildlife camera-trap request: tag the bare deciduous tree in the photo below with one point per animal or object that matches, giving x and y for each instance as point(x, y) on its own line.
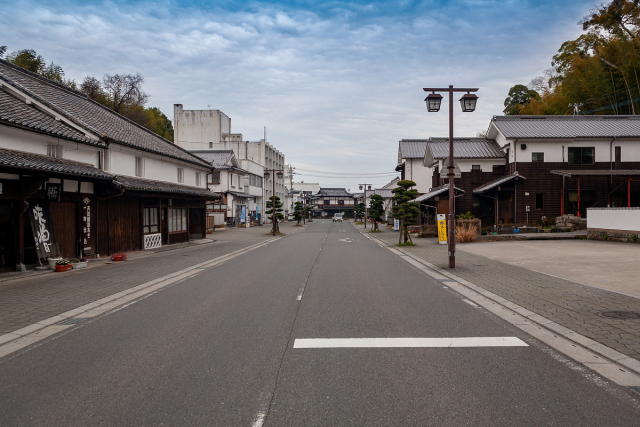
point(124, 90)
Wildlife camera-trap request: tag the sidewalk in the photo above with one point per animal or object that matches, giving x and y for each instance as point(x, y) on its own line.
point(570, 304)
point(31, 297)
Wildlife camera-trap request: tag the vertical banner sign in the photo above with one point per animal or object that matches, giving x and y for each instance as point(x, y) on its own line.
point(396, 225)
point(442, 229)
point(243, 213)
point(42, 227)
point(87, 224)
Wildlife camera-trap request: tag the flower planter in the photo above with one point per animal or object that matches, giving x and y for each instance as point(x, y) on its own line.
point(60, 268)
point(52, 262)
point(117, 258)
point(77, 265)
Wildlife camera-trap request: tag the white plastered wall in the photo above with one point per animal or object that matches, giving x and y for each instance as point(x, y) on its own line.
point(622, 219)
point(32, 142)
point(156, 167)
point(556, 150)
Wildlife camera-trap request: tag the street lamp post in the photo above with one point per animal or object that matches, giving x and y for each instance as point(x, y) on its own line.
point(267, 174)
point(366, 211)
point(468, 104)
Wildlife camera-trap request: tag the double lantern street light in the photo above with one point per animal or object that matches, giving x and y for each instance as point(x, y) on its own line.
point(468, 104)
point(366, 211)
point(267, 174)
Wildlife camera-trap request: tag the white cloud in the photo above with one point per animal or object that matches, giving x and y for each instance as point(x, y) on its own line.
point(337, 86)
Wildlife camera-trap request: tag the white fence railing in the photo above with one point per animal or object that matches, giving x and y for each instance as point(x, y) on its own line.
point(152, 241)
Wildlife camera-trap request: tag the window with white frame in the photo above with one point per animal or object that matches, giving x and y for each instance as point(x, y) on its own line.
point(140, 166)
point(198, 179)
point(180, 175)
point(177, 220)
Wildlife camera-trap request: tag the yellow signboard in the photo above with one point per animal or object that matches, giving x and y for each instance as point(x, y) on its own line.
point(442, 229)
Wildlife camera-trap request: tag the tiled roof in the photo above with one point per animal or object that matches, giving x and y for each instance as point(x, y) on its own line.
point(503, 180)
point(22, 160)
point(465, 148)
point(334, 192)
point(412, 148)
point(443, 189)
point(16, 111)
point(387, 193)
point(91, 115)
point(140, 184)
point(220, 159)
point(567, 126)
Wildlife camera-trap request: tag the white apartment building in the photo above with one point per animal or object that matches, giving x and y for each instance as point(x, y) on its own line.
point(211, 130)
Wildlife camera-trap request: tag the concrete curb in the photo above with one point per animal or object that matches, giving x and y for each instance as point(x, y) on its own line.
point(528, 321)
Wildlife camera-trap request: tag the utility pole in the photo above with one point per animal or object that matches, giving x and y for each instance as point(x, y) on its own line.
point(267, 174)
point(366, 210)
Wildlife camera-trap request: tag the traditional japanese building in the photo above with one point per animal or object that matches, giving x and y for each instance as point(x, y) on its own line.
point(77, 179)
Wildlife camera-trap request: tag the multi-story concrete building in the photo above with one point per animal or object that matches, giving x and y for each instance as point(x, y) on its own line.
point(211, 130)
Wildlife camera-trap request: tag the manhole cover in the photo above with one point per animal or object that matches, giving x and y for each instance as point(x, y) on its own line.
point(619, 314)
point(72, 321)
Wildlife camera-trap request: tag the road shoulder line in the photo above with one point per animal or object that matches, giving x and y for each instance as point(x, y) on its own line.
point(28, 335)
point(609, 363)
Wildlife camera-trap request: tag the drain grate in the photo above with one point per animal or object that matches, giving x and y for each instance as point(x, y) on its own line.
point(619, 314)
point(72, 321)
point(446, 280)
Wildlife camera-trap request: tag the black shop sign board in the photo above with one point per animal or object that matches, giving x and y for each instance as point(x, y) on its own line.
point(42, 227)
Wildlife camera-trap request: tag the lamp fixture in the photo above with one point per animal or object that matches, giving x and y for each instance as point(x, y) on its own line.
point(468, 102)
point(433, 100)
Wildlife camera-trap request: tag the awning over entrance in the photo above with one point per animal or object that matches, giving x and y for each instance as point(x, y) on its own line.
point(240, 195)
point(442, 190)
point(514, 177)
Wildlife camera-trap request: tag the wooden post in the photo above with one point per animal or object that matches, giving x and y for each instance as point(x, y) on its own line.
point(579, 214)
point(562, 198)
point(20, 266)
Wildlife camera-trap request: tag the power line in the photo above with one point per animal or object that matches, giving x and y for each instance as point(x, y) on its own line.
point(348, 173)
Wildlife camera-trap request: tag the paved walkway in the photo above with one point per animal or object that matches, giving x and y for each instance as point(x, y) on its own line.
point(31, 297)
point(570, 304)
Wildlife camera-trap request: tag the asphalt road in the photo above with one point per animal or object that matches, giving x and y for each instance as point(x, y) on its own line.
point(218, 349)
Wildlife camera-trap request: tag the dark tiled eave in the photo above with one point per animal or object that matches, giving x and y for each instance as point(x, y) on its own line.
point(609, 172)
point(500, 181)
point(147, 185)
point(29, 162)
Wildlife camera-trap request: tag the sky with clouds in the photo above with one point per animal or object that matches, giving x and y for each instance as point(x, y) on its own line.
point(337, 84)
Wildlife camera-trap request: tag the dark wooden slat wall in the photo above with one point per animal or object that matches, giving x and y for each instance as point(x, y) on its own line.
point(64, 215)
point(540, 180)
point(125, 230)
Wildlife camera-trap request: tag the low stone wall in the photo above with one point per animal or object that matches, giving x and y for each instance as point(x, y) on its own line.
point(571, 223)
point(613, 235)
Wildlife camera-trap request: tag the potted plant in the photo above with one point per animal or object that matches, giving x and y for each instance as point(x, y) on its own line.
point(63, 265)
point(121, 256)
point(52, 262)
point(79, 262)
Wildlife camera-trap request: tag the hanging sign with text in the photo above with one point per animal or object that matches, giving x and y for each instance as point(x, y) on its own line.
point(442, 229)
point(43, 234)
point(88, 235)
